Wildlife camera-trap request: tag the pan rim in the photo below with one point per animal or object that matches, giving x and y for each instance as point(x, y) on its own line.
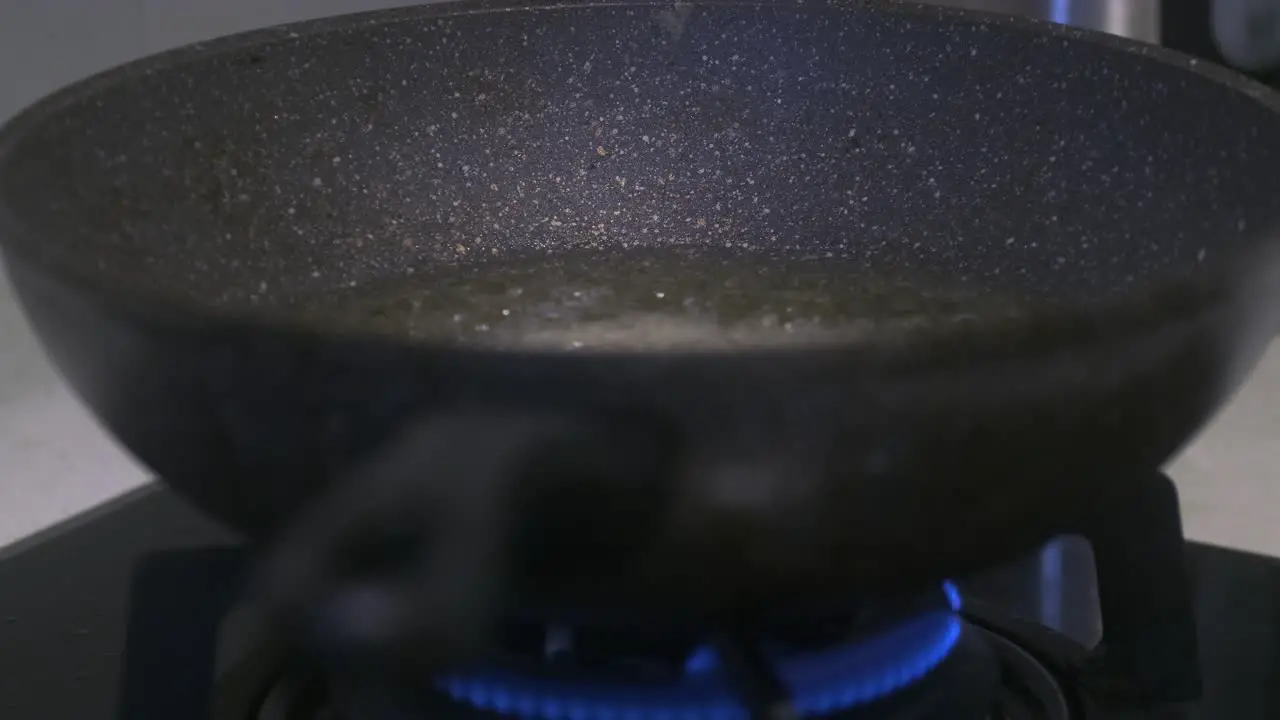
point(1131, 314)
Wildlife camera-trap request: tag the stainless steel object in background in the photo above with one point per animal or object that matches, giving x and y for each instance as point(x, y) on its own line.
point(1247, 32)
point(1137, 19)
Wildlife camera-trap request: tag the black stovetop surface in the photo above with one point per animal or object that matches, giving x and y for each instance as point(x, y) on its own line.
point(65, 606)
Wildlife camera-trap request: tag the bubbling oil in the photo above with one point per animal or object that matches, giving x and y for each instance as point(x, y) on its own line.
point(651, 299)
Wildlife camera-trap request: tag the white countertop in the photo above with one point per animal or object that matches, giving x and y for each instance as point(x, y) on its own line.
point(55, 460)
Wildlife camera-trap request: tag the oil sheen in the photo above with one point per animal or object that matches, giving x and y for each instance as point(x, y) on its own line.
point(651, 299)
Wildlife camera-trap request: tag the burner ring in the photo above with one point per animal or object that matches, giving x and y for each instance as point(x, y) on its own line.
point(819, 682)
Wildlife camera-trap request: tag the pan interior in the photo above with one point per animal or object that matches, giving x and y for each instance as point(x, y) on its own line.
point(655, 297)
point(644, 175)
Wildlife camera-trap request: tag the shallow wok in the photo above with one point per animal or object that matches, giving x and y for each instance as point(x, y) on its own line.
point(213, 245)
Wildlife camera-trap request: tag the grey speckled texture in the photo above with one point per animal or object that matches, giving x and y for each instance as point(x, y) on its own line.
point(304, 164)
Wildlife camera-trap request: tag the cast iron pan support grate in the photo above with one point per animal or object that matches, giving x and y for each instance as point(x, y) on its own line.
point(1148, 655)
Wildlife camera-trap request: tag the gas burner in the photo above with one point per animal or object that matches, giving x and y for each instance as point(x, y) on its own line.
point(194, 646)
point(813, 671)
point(924, 659)
point(995, 670)
point(933, 664)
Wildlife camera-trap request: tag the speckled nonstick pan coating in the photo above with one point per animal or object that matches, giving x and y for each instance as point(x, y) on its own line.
point(180, 229)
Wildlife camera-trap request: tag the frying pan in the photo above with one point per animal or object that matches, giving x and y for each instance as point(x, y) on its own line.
point(639, 306)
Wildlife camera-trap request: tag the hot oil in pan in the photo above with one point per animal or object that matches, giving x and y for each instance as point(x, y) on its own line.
point(650, 299)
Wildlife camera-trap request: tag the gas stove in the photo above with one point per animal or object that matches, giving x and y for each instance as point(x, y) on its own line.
point(134, 611)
